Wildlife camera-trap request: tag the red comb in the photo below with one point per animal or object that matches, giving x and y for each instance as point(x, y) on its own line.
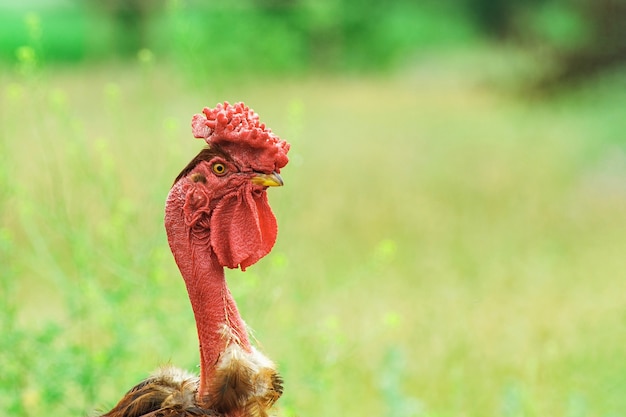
point(237, 130)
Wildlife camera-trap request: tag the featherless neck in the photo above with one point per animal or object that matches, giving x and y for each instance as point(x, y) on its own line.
point(217, 318)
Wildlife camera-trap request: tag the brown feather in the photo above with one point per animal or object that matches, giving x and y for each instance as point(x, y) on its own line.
point(232, 386)
point(259, 405)
point(244, 381)
point(169, 393)
point(238, 386)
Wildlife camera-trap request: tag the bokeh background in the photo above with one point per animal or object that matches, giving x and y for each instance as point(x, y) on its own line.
point(452, 230)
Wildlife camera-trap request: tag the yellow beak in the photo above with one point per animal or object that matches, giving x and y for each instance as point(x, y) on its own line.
point(267, 180)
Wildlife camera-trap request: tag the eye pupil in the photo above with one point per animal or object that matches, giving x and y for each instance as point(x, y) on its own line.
point(219, 168)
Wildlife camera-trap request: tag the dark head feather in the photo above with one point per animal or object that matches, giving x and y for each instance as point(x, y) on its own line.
point(205, 154)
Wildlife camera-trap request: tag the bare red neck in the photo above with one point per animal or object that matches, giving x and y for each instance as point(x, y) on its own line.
point(217, 319)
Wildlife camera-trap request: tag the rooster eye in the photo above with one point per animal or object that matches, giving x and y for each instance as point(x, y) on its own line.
point(219, 169)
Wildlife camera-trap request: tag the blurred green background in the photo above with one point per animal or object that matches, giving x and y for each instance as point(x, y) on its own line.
point(451, 233)
point(581, 37)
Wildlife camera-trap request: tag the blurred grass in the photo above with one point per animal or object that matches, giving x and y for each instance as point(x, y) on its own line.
point(445, 248)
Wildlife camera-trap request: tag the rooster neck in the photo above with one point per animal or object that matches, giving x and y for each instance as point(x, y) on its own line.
point(217, 318)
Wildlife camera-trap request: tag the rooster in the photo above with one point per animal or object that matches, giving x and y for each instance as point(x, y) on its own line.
point(217, 216)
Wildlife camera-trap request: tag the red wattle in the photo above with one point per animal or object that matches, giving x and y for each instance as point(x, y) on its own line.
point(243, 228)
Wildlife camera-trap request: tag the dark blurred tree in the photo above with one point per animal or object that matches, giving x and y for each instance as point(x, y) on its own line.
point(350, 34)
point(500, 18)
point(130, 21)
point(276, 5)
point(337, 34)
point(602, 49)
point(494, 17)
point(597, 44)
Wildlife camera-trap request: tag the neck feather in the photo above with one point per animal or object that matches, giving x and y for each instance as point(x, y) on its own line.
point(217, 319)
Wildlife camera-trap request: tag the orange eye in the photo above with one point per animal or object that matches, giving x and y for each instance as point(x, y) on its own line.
point(219, 169)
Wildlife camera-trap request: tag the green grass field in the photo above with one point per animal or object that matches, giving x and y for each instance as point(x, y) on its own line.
point(446, 248)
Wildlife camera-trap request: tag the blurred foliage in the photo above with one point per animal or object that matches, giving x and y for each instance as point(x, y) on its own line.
point(577, 37)
point(264, 35)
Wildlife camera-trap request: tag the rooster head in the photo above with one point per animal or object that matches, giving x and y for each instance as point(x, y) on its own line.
point(223, 189)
